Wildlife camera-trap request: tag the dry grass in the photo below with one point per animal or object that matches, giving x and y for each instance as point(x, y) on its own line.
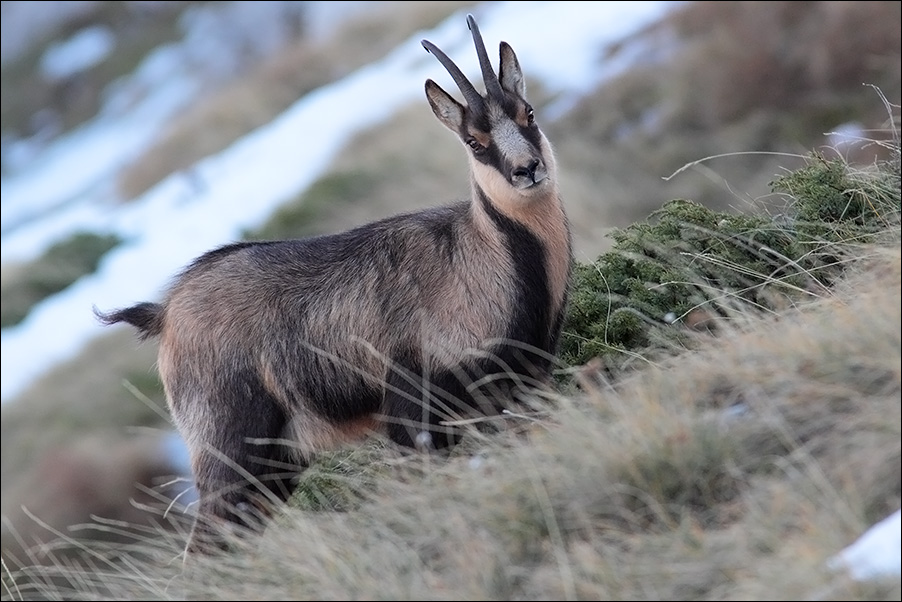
point(750, 45)
point(733, 472)
point(646, 491)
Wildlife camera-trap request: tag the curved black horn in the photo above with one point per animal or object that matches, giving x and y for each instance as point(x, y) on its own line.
point(492, 85)
point(473, 98)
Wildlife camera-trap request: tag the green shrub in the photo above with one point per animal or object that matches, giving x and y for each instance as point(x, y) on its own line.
point(340, 480)
point(687, 264)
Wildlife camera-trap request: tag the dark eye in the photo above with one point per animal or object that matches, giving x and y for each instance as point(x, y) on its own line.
point(473, 144)
point(530, 116)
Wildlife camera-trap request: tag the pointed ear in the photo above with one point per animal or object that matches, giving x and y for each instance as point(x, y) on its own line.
point(509, 73)
point(449, 111)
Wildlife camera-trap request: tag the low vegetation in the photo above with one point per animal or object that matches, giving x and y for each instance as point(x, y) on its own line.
point(61, 265)
point(689, 268)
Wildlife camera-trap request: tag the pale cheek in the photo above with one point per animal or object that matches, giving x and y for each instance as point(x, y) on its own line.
point(548, 156)
point(495, 186)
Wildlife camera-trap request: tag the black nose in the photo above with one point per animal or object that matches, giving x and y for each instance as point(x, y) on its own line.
point(528, 171)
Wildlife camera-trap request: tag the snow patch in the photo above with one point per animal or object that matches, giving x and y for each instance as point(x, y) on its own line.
point(85, 49)
point(876, 554)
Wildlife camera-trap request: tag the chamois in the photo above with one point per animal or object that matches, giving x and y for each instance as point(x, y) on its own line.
point(271, 351)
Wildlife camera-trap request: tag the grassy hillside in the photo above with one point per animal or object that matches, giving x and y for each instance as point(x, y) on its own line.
point(729, 406)
point(733, 467)
point(689, 269)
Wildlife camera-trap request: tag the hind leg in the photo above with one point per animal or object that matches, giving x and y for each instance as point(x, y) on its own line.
point(240, 468)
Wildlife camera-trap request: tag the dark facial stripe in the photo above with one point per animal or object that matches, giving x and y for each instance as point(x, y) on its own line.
point(533, 135)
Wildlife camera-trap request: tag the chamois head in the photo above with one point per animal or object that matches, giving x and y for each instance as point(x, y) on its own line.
point(508, 152)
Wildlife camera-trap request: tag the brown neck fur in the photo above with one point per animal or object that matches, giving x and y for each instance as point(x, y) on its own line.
point(541, 211)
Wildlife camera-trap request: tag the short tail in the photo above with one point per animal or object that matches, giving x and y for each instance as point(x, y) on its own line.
point(146, 317)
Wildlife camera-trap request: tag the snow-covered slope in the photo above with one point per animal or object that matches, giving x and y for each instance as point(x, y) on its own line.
point(559, 43)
